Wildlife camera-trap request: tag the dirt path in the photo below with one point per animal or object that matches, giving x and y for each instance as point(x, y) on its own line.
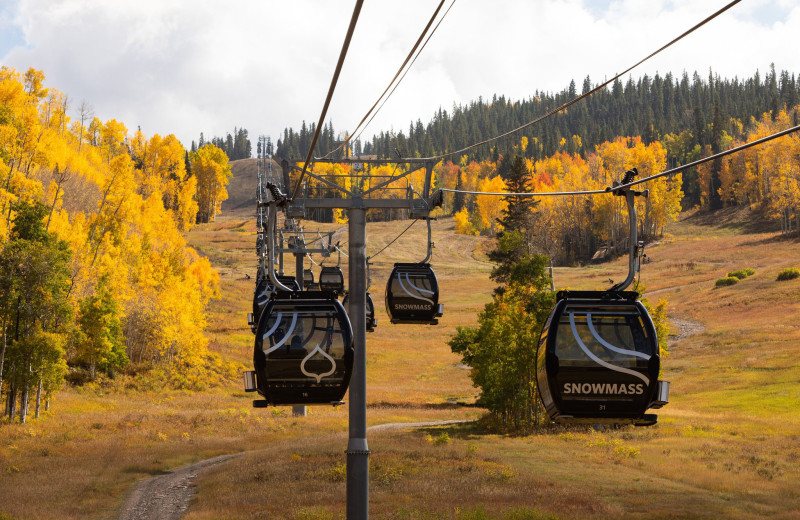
point(167, 497)
point(397, 426)
point(684, 328)
point(681, 327)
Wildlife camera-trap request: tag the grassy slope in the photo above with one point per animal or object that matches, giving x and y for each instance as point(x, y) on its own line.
point(726, 446)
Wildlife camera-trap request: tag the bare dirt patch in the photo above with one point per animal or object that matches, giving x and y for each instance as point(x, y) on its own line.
point(166, 497)
point(683, 328)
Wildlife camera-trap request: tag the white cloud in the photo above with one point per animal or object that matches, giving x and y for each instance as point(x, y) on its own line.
point(187, 67)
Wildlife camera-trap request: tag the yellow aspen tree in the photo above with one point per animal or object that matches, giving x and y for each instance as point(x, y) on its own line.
point(491, 207)
point(187, 206)
point(463, 224)
point(121, 205)
point(112, 135)
point(210, 166)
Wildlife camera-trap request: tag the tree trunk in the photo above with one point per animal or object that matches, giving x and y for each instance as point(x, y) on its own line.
point(3, 355)
point(796, 216)
point(11, 402)
point(97, 249)
point(23, 405)
point(38, 397)
point(52, 208)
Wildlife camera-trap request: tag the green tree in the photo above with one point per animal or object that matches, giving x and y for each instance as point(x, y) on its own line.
point(34, 283)
point(99, 339)
point(514, 242)
point(502, 349)
point(512, 247)
point(717, 132)
point(43, 355)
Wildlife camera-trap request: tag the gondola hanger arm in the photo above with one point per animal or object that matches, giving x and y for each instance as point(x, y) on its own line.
point(271, 245)
point(630, 195)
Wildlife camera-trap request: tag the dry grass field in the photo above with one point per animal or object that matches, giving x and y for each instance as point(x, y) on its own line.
point(727, 445)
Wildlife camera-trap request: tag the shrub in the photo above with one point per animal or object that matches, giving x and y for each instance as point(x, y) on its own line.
point(336, 473)
point(741, 274)
point(728, 280)
point(790, 273)
point(443, 438)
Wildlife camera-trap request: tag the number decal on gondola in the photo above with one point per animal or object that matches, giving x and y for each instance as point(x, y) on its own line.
point(418, 289)
point(596, 359)
point(318, 377)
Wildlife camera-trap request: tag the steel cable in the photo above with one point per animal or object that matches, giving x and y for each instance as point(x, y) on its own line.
point(589, 93)
point(332, 87)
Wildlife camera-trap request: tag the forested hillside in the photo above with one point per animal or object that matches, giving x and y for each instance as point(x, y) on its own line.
point(652, 125)
point(236, 146)
point(95, 273)
point(686, 113)
point(650, 107)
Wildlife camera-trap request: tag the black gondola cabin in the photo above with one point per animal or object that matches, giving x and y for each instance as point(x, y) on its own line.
point(308, 278)
point(370, 311)
point(331, 278)
point(289, 281)
point(263, 290)
point(303, 350)
point(412, 294)
point(598, 360)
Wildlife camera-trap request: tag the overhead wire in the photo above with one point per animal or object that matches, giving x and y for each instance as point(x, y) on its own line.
point(527, 194)
point(400, 70)
point(393, 241)
point(590, 92)
point(404, 73)
point(312, 260)
point(719, 155)
point(537, 120)
point(334, 80)
point(665, 173)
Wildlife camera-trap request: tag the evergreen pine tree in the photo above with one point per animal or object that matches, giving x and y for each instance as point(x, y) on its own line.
point(514, 241)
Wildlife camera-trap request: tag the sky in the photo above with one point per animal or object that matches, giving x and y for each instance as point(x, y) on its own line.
point(189, 66)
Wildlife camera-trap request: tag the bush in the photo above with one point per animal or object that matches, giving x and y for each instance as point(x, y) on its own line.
point(790, 273)
point(444, 438)
point(741, 274)
point(499, 349)
point(728, 280)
